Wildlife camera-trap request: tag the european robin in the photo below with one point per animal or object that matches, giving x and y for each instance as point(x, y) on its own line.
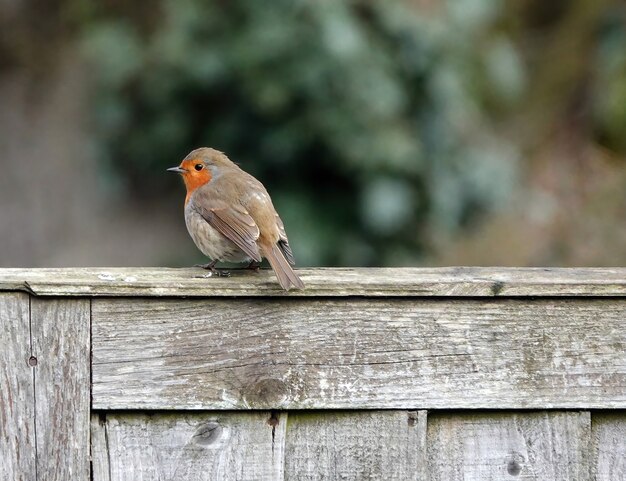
point(230, 216)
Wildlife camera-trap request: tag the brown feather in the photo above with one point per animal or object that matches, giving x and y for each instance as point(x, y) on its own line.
point(283, 243)
point(239, 227)
point(284, 272)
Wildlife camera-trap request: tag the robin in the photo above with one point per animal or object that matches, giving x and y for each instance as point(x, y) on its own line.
point(230, 216)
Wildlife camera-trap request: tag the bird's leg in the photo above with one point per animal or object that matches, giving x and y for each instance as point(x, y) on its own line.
point(252, 266)
point(214, 271)
point(209, 266)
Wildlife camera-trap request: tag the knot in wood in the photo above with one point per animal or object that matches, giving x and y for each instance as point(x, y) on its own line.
point(208, 433)
point(266, 393)
point(514, 463)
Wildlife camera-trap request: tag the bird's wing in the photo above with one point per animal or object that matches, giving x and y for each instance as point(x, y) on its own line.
point(283, 242)
point(235, 223)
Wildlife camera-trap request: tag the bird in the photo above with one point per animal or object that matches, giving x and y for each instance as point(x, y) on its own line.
point(230, 216)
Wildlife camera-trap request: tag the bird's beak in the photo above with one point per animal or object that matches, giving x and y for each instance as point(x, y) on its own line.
point(178, 170)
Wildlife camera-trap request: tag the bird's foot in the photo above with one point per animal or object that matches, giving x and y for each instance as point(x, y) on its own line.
point(214, 271)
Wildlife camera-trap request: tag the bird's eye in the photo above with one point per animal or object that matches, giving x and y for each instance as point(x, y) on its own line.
point(198, 167)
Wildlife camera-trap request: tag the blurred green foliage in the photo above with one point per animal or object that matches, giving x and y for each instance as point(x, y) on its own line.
point(388, 133)
point(610, 69)
point(373, 127)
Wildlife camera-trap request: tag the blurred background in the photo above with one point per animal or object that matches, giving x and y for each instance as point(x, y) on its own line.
point(406, 133)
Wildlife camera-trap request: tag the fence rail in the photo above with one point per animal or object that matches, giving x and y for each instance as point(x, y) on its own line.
point(391, 374)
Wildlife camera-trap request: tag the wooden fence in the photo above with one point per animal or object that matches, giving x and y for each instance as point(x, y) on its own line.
point(382, 374)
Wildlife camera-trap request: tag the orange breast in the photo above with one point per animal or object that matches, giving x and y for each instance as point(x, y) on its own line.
point(194, 180)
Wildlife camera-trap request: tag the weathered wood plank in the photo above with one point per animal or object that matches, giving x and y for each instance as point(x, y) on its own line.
point(17, 401)
point(99, 445)
point(609, 446)
point(191, 447)
point(386, 282)
point(503, 446)
point(358, 354)
point(356, 445)
point(61, 347)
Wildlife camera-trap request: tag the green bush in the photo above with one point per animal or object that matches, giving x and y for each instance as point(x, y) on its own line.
point(366, 121)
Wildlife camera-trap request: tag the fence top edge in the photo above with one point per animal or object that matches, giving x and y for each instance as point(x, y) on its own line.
point(320, 282)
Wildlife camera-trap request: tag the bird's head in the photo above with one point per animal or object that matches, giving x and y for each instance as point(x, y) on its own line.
point(200, 166)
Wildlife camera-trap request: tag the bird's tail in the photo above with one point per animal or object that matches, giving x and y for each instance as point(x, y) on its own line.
point(284, 272)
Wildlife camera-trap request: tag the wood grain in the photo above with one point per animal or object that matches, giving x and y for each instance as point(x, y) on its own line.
point(334, 282)
point(361, 445)
point(609, 446)
point(494, 446)
point(259, 446)
point(17, 402)
point(61, 347)
point(358, 354)
point(191, 447)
